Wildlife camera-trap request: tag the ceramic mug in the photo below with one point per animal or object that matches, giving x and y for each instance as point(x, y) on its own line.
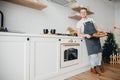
point(45, 31)
point(52, 31)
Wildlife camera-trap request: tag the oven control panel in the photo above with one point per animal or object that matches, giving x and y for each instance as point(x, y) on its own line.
point(70, 40)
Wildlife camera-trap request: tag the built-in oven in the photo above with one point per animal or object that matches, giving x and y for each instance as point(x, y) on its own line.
point(70, 54)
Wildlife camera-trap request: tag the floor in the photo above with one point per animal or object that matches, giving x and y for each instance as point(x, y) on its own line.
point(112, 72)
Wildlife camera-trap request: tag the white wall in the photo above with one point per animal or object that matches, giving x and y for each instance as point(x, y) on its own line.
point(117, 13)
point(23, 19)
point(104, 12)
point(117, 21)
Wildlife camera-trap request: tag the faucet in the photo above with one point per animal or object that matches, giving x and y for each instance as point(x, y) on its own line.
point(2, 28)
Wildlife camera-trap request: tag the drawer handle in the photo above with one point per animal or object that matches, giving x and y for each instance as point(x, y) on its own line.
point(28, 39)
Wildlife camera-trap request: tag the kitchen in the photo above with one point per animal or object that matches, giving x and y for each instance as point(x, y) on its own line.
point(26, 36)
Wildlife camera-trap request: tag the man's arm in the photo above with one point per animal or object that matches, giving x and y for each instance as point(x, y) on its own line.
point(81, 34)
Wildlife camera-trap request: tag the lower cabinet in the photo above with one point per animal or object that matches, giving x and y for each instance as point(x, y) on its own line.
point(23, 58)
point(34, 58)
point(43, 58)
point(14, 58)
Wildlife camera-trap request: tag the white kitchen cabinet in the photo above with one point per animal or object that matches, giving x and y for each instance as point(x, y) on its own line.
point(14, 58)
point(44, 58)
point(85, 57)
point(34, 57)
point(28, 58)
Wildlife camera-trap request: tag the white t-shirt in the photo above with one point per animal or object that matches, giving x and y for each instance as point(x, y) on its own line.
point(81, 23)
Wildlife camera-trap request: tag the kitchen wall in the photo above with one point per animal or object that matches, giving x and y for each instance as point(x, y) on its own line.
point(117, 21)
point(117, 13)
point(104, 12)
point(24, 19)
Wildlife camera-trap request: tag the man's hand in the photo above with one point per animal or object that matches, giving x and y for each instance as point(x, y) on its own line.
point(88, 36)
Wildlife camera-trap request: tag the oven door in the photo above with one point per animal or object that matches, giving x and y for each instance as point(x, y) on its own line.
point(69, 54)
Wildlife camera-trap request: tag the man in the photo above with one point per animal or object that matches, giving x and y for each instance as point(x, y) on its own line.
point(86, 27)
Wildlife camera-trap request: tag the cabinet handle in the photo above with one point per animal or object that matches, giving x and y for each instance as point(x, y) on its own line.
point(59, 39)
point(28, 39)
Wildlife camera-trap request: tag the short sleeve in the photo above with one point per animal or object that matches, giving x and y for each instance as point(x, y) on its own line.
point(80, 26)
point(92, 20)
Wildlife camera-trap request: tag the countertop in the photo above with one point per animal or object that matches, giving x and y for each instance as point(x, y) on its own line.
point(35, 35)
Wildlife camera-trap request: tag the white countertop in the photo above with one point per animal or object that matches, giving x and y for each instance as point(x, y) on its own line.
point(35, 35)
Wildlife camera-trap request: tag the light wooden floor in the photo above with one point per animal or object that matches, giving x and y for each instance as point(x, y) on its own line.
point(112, 72)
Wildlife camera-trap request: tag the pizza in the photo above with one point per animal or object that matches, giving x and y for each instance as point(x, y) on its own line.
point(99, 34)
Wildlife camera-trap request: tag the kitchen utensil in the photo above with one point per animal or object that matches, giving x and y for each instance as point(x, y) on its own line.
point(2, 28)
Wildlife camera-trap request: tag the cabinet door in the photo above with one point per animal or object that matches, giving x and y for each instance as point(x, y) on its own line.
point(85, 57)
point(14, 58)
point(43, 59)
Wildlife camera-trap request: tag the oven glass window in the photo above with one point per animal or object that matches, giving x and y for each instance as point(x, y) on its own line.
point(70, 54)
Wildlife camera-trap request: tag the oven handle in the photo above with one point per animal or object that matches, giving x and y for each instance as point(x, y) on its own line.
point(70, 44)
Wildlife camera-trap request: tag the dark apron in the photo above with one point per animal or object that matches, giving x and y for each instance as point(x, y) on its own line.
point(93, 44)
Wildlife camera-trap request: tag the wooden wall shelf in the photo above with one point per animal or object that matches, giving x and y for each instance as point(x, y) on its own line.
point(78, 10)
point(28, 3)
point(76, 17)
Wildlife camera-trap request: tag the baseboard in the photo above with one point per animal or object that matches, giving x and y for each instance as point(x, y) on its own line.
point(71, 73)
